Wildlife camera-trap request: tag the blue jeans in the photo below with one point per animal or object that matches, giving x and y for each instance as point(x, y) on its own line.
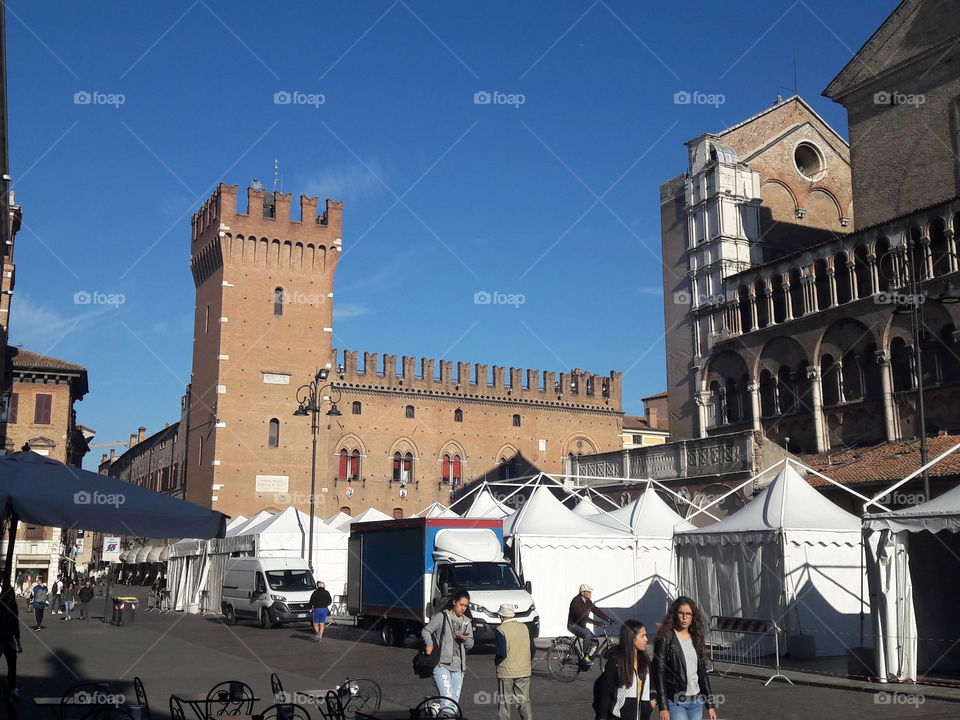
point(67, 609)
point(585, 637)
point(448, 682)
point(691, 710)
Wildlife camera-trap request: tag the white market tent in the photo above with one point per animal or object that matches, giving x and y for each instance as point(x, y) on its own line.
point(790, 555)
point(335, 521)
point(436, 510)
point(485, 505)
point(556, 550)
point(912, 557)
point(236, 522)
point(586, 507)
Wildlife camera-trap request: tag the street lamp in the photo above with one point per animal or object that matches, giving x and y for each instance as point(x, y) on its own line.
point(310, 398)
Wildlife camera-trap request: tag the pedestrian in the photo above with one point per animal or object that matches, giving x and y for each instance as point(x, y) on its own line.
point(56, 597)
point(679, 668)
point(320, 602)
point(577, 617)
point(10, 637)
point(69, 596)
point(85, 595)
point(454, 633)
point(515, 650)
point(38, 601)
point(624, 690)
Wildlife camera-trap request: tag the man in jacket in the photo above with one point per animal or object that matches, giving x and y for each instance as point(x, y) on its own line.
point(515, 650)
point(580, 608)
point(320, 602)
point(85, 595)
point(454, 633)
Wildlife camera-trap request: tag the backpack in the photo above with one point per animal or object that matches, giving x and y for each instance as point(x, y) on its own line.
point(40, 595)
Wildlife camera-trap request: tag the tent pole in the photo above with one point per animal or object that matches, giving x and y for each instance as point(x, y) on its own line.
point(11, 528)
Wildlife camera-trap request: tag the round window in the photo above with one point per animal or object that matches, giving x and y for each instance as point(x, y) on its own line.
point(809, 161)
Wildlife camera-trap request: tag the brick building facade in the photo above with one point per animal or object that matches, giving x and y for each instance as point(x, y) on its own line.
point(409, 433)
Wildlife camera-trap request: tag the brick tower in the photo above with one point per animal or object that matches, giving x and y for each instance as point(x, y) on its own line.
point(263, 323)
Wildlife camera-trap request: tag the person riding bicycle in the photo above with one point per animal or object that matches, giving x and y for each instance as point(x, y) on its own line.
point(579, 614)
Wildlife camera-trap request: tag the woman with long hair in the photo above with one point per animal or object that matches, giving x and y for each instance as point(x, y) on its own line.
point(679, 667)
point(623, 689)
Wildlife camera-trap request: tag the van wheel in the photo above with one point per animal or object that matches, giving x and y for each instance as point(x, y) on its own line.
point(265, 620)
point(399, 634)
point(229, 617)
point(387, 633)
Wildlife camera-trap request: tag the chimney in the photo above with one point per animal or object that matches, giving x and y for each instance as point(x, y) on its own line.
point(140, 433)
point(113, 453)
point(133, 440)
point(103, 459)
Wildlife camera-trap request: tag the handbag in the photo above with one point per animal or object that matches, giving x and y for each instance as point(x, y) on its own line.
point(424, 664)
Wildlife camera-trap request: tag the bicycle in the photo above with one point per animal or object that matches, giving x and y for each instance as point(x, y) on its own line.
point(565, 661)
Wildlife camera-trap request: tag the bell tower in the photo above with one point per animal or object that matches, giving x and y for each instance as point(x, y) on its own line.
point(263, 324)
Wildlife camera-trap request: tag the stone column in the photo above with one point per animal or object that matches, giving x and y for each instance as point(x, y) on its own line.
point(788, 301)
point(816, 394)
point(874, 274)
point(734, 314)
point(951, 238)
point(852, 273)
point(927, 257)
point(832, 284)
point(768, 294)
point(753, 311)
point(810, 294)
point(886, 383)
point(703, 410)
point(754, 389)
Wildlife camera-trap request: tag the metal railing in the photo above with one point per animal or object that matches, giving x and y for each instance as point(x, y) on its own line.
point(746, 641)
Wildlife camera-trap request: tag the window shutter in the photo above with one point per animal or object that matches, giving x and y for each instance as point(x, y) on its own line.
point(13, 407)
point(42, 408)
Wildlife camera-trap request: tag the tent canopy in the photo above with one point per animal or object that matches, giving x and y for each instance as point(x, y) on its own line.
point(941, 513)
point(648, 516)
point(436, 510)
point(43, 491)
point(544, 514)
point(485, 505)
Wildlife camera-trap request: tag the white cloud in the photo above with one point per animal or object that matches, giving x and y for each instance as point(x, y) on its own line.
point(656, 290)
point(40, 328)
point(348, 311)
point(346, 182)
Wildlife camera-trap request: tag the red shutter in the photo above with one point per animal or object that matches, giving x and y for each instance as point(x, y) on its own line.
point(355, 464)
point(456, 468)
point(13, 407)
point(396, 466)
point(41, 410)
point(445, 468)
point(343, 465)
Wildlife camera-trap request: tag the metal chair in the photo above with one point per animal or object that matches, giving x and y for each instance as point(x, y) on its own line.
point(285, 711)
point(437, 706)
point(276, 688)
point(176, 709)
point(359, 694)
point(141, 694)
point(333, 701)
point(87, 701)
point(232, 697)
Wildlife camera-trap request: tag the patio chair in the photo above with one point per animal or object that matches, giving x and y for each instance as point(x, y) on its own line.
point(359, 694)
point(141, 694)
point(176, 709)
point(285, 711)
point(437, 706)
point(276, 688)
point(232, 697)
point(86, 701)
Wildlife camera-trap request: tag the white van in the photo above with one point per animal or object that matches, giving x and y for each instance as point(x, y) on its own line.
point(271, 590)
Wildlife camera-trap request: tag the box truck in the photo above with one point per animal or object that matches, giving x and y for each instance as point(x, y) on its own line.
point(401, 572)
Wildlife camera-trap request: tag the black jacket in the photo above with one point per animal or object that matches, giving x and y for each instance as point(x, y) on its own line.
point(320, 598)
point(85, 594)
point(670, 672)
point(605, 696)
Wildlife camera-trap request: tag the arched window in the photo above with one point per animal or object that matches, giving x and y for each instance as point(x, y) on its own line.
point(746, 316)
point(852, 377)
point(763, 317)
point(900, 365)
point(402, 467)
point(504, 468)
point(861, 268)
point(398, 513)
point(458, 415)
point(344, 464)
point(717, 397)
point(450, 469)
point(939, 248)
point(796, 293)
point(821, 284)
point(779, 299)
point(768, 394)
point(950, 366)
point(273, 433)
point(786, 390)
point(733, 402)
point(357, 407)
point(355, 465)
point(829, 380)
point(409, 412)
point(516, 421)
point(872, 378)
point(841, 275)
point(886, 274)
point(918, 254)
point(278, 301)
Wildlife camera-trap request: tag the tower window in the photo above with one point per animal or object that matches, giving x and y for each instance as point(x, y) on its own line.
point(273, 434)
point(516, 421)
point(809, 161)
point(357, 408)
point(450, 469)
point(402, 467)
point(278, 302)
point(410, 412)
point(458, 415)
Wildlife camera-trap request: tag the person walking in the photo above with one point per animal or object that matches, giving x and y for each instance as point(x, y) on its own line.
point(320, 602)
point(10, 637)
point(56, 597)
point(624, 690)
point(577, 617)
point(85, 595)
point(38, 601)
point(515, 650)
point(679, 667)
point(69, 597)
point(454, 633)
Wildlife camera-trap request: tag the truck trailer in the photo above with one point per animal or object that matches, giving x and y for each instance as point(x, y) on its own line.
point(401, 572)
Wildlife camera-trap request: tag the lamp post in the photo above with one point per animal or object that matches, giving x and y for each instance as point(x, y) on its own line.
point(309, 399)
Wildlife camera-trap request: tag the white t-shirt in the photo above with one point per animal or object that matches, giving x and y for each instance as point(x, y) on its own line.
point(692, 663)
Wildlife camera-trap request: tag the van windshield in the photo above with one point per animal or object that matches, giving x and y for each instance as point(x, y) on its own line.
point(290, 580)
point(484, 576)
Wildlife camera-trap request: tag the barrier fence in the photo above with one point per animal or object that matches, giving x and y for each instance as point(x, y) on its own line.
point(747, 641)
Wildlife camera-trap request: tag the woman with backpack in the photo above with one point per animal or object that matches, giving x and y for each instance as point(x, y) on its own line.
point(624, 690)
point(38, 601)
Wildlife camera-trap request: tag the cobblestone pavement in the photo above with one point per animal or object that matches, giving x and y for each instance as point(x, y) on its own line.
point(189, 654)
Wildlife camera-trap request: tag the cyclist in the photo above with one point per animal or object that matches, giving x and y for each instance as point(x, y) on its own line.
point(579, 614)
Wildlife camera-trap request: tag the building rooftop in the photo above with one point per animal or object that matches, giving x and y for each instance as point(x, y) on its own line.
point(28, 360)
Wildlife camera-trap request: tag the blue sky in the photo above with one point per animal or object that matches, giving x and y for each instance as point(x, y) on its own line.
point(554, 199)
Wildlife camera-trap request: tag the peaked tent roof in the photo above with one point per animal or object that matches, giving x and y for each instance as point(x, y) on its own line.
point(647, 516)
point(941, 513)
point(368, 515)
point(485, 505)
point(341, 519)
point(787, 503)
point(244, 528)
point(544, 514)
point(291, 520)
point(436, 510)
point(235, 523)
point(586, 507)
